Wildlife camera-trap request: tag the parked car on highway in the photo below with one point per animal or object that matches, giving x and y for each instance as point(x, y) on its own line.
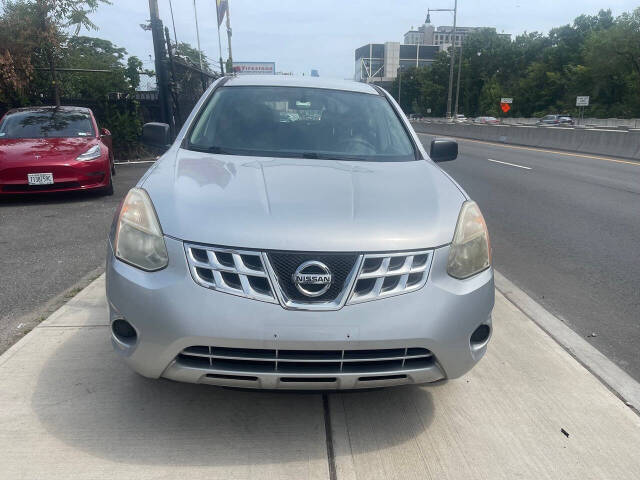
point(49, 149)
point(556, 120)
point(328, 252)
point(486, 120)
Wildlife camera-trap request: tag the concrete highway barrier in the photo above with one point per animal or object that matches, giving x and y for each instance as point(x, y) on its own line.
point(613, 142)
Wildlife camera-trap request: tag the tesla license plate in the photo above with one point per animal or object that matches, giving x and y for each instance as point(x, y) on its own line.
point(40, 178)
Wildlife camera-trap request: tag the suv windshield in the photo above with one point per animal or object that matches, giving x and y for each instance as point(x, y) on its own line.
point(301, 122)
point(46, 123)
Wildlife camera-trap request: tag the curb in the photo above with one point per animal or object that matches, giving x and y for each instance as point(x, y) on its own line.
point(612, 376)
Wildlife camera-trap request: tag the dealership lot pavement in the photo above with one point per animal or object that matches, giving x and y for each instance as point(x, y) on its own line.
point(70, 409)
point(49, 243)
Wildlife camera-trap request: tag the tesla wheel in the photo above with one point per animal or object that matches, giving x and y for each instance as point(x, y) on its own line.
point(108, 190)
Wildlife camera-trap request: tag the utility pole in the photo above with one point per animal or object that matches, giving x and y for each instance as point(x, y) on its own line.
point(220, 46)
point(174, 78)
point(230, 61)
point(455, 112)
point(162, 78)
point(453, 59)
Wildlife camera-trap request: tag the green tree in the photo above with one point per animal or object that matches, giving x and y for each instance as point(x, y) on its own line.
point(16, 48)
point(52, 19)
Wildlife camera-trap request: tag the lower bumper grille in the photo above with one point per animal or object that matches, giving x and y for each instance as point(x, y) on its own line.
point(246, 360)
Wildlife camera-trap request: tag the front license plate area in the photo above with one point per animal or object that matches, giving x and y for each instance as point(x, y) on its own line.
point(40, 178)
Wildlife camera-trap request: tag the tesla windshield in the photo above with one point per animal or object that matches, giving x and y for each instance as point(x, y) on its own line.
point(301, 122)
point(48, 123)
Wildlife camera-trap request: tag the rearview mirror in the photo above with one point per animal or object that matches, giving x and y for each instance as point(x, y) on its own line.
point(157, 135)
point(105, 132)
point(443, 150)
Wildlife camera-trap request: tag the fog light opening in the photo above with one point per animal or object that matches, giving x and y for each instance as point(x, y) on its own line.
point(480, 336)
point(124, 331)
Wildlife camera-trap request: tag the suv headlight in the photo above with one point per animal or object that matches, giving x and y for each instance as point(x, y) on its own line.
point(138, 236)
point(91, 154)
point(470, 251)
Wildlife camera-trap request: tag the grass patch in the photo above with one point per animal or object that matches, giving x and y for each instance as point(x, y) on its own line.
point(73, 292)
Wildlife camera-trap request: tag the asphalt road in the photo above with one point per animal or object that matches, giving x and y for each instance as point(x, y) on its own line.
point(48, 244)
point(566, 229)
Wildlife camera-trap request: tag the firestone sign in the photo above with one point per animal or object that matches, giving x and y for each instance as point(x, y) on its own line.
point(254, 68)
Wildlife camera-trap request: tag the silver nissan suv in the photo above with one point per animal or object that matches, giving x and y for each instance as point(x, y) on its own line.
point(297, 235)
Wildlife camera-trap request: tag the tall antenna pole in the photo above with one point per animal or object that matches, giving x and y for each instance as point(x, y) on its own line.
point(175, 36)
point(195, 12)
point(453, 59)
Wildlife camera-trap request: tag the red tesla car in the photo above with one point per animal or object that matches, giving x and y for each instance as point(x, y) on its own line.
point(49, 149)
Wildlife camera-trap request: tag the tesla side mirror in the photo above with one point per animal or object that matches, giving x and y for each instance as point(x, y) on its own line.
point(104, 132)
point(443, 150)
point(156, 135)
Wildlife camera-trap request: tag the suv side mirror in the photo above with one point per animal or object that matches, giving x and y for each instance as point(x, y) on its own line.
point(443, 150)
point(104, 132)
point(157, 135)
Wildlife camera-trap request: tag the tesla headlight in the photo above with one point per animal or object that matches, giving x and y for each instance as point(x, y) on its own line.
point(91, 154)
point(470, 251)
point(138, 237)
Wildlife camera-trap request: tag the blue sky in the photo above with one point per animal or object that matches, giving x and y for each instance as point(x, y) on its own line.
point(322, 34)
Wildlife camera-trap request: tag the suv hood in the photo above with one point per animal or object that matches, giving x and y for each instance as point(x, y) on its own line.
point(299, 204)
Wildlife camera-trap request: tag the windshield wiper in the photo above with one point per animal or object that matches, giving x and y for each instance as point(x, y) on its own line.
point(327, 156)
point(211, 149)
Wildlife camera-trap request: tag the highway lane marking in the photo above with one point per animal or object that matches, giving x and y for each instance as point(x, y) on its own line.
point(543, 150)
point(510, 164)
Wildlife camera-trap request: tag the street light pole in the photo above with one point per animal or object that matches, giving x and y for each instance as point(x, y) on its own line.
point(453, 52)
point(455, 111)
point(453, 59)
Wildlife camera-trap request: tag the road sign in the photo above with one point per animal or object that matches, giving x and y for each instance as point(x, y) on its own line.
point(506, 100)
point(505, 107)
point(428, 110)
point(582, 101)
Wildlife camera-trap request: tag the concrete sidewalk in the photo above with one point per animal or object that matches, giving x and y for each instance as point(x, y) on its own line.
point(69, 409)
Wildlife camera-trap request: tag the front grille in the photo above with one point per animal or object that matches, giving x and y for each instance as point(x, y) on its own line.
point(239, 272)
point(268, 276)
point(251, 360)
point(285, 264)
point(387, 274)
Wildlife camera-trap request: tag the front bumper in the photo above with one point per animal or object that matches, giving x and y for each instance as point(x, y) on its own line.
point(171, 313)
point(74, 176)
